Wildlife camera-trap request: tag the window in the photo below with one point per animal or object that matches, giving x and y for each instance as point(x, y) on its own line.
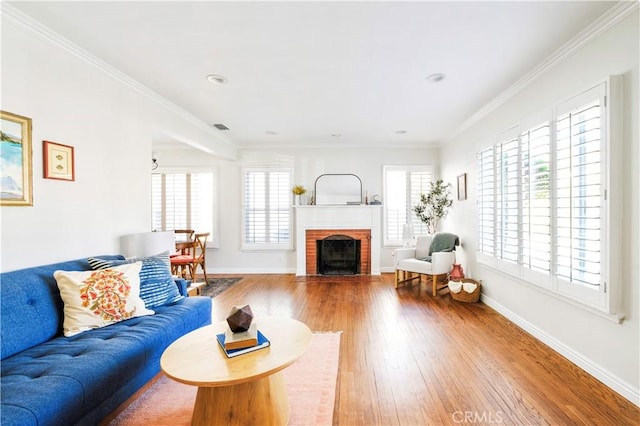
point(402, 188)
point(266, 209)
point(542, 201)
point(182, 201)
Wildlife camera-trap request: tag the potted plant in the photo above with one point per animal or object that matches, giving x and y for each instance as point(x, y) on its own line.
point(434, 205)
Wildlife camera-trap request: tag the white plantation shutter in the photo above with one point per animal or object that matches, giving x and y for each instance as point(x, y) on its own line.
point(578, 194)
point(267, 208)
point(395, 205)
point(507, 190)
point(536, 198)
point(420, 183)
point(255, 195)
point(182, 201)
point(402, 188)
point(486, 201)
point(176, 201)
point(279, 207)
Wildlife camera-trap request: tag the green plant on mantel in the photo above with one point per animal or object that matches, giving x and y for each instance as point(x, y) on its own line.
point(434, 205)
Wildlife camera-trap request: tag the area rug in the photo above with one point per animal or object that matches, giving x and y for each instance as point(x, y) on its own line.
point(215, 286)
point(310, 382)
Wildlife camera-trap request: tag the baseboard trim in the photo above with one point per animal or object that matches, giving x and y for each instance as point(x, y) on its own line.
point(251, 271)
point(611, 380)
point(267, 271)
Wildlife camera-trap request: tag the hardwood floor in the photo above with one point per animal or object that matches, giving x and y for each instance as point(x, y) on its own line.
point(407, 358)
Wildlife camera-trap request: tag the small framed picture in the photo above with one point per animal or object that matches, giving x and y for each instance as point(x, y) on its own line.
point(58, 161)
point(462, 187)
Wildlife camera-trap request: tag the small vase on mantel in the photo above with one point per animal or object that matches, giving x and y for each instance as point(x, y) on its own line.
point(297, 190)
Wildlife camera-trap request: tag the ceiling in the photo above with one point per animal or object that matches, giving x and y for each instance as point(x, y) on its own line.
point(319, 74)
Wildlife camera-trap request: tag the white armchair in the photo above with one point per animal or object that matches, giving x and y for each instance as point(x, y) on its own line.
point(409, 263)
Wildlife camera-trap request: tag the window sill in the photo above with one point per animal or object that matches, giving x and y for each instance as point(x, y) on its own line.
point(613, 317)
point(265, 249)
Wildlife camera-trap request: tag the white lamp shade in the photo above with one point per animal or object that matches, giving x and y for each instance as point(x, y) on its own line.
point(147, 244)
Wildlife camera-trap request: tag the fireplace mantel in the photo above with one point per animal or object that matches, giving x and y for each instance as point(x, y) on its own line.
point(338, 217)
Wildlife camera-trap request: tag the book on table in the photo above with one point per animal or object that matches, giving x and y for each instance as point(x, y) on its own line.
point(241, 339)
point(262, 343)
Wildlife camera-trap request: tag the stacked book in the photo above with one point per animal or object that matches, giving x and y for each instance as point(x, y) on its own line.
point(234, 344)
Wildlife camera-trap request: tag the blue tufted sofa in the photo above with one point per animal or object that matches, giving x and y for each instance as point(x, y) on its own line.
point(49, 379)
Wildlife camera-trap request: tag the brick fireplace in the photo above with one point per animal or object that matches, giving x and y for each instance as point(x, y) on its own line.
point(360, 222)
point(312, 236)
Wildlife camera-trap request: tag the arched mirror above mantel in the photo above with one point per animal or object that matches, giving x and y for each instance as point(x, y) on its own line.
point(338, 189)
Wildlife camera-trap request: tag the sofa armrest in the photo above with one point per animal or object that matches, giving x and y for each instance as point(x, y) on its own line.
point(442, 262)
point(403, 253)
point(182, 285)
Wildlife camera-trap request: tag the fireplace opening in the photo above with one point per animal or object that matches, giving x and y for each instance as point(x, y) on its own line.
point(338, 255)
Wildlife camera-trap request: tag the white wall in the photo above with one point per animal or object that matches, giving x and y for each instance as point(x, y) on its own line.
point(608, 350)
point(111, 127)
point(308, 164)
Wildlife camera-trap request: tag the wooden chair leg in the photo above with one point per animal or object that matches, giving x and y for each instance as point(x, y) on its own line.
point(204, 271)
point(406, 276)
point(435, 285)
point(192, 273)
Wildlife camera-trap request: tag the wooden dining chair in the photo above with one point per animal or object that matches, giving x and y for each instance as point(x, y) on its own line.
point(184, 234)
point(199, 254)
point(181, 259)
point(193, 253)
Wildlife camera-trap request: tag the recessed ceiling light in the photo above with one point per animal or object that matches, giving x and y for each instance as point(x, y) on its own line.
point(220, 126)
point(336, 135)
point(270, 133)
point(436, 78)
point(217, 79)
point(401, 132)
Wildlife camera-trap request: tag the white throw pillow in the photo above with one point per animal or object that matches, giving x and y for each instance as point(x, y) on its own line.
point(94, 299)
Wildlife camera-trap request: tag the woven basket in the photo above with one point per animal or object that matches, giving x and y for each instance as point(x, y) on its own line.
point(463, 296)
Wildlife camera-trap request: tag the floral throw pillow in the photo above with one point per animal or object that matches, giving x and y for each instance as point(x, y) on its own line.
point(94, 299)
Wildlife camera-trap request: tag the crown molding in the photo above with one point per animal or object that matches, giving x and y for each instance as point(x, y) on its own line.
point(19, 18)
point(606, 21)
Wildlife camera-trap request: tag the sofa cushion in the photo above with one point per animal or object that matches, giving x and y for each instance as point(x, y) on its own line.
point(94, 299)
point(31, 305)
point(157, 286)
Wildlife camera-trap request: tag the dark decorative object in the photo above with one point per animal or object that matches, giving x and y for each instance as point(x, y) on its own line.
point(240, 318)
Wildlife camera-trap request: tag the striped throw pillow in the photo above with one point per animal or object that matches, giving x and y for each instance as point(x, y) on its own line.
point(157, 287)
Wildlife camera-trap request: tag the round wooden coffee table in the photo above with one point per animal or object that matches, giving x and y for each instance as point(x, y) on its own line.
point(244, 390)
